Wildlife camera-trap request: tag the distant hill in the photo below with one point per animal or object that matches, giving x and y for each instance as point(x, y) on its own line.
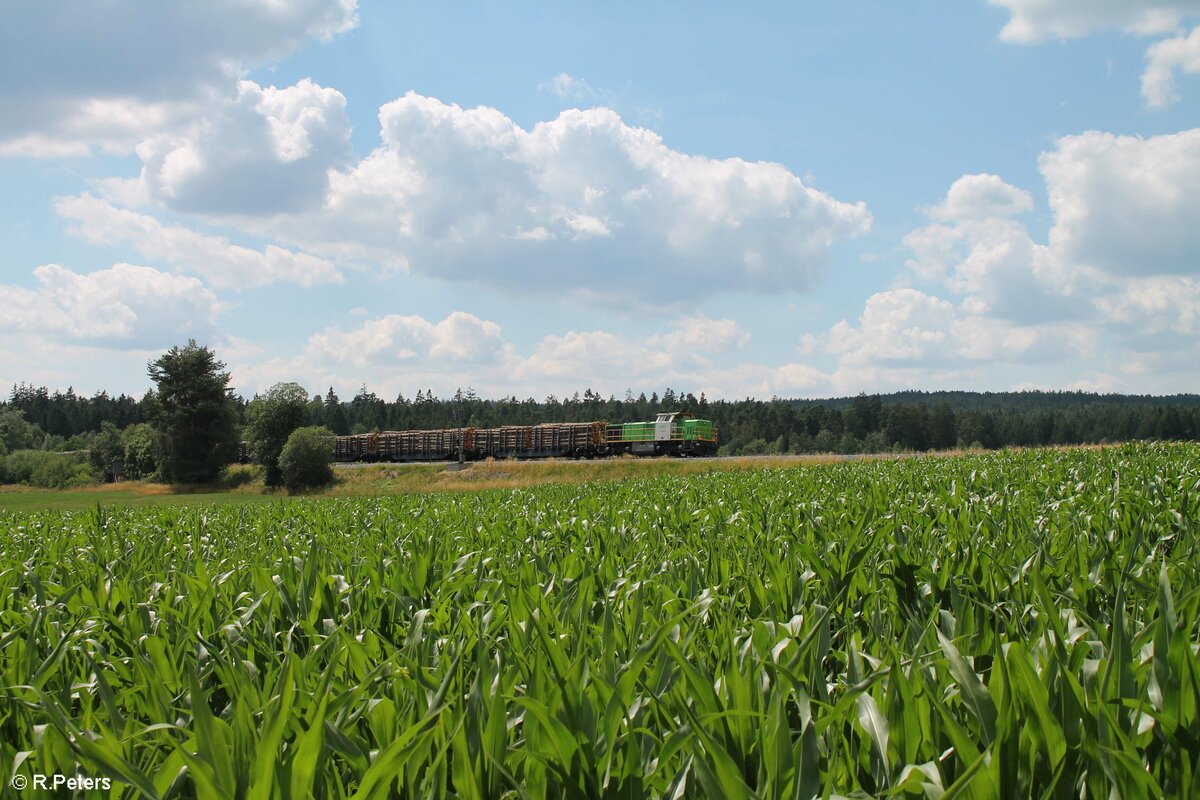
point(1017, 402)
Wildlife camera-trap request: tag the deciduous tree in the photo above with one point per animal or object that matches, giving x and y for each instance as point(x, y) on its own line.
point(272, 418)
point(108, 451)
point(143, 451)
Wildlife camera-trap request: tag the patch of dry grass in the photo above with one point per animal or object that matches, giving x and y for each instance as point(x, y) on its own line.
point(511, 474)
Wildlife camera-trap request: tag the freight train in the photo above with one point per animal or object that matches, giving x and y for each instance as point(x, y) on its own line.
point(672, 433)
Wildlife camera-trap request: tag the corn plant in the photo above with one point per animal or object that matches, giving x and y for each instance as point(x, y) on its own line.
point(1015, 624)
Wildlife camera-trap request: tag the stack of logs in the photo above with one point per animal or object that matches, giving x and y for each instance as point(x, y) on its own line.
point(510, 441)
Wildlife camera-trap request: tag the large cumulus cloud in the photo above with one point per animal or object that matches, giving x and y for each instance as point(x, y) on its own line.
point(122, 307)
point(78, 76)
point(583, 204)
point(1126, 205)
point(267, 151)
point(906, 327)
point(1116, 286)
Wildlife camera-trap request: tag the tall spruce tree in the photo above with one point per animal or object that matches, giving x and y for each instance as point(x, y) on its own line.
point(195, 414)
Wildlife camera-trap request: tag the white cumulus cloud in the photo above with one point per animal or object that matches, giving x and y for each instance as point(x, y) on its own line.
point(1163, 60)
point(682, 355)
point(222, 264)
point(906, 331)
point(1122, 250)
point(1126, 205)
point(396, 340)
point(898, 325)
point(698, 337)
point(78, 76)
point(397, 353)
point(1117, 284)
point(584, 204)
point(1036, 20)
point(975, 247)
point(979, 197)
point(267, 151)
point(1155, 306)
point(125, 306)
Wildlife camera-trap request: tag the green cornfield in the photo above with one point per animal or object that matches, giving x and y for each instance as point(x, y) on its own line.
point(1014, 624)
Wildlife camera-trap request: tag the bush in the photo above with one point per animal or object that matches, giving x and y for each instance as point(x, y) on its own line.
point(875, 442)
point(77, 442)
point(47, 470)
point(754, 447)
point(304, 462)
point(143, 451)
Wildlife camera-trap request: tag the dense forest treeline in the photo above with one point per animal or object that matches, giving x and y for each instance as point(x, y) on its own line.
point(1011, 401)
point(35, 418)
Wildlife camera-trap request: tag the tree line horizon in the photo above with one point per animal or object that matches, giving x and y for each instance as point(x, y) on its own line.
point(906, 420)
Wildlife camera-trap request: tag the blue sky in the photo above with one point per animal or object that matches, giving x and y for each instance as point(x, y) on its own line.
point(803, 200)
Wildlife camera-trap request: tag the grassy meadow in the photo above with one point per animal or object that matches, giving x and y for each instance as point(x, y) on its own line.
point(243, 484)
point(1009, 624)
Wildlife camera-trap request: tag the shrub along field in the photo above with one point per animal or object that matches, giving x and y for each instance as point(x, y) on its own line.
point(989, 626)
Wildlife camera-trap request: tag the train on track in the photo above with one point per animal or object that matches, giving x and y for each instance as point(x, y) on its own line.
point(671, 433)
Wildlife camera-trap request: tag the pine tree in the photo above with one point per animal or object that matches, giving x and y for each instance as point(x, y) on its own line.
point(196, 413)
